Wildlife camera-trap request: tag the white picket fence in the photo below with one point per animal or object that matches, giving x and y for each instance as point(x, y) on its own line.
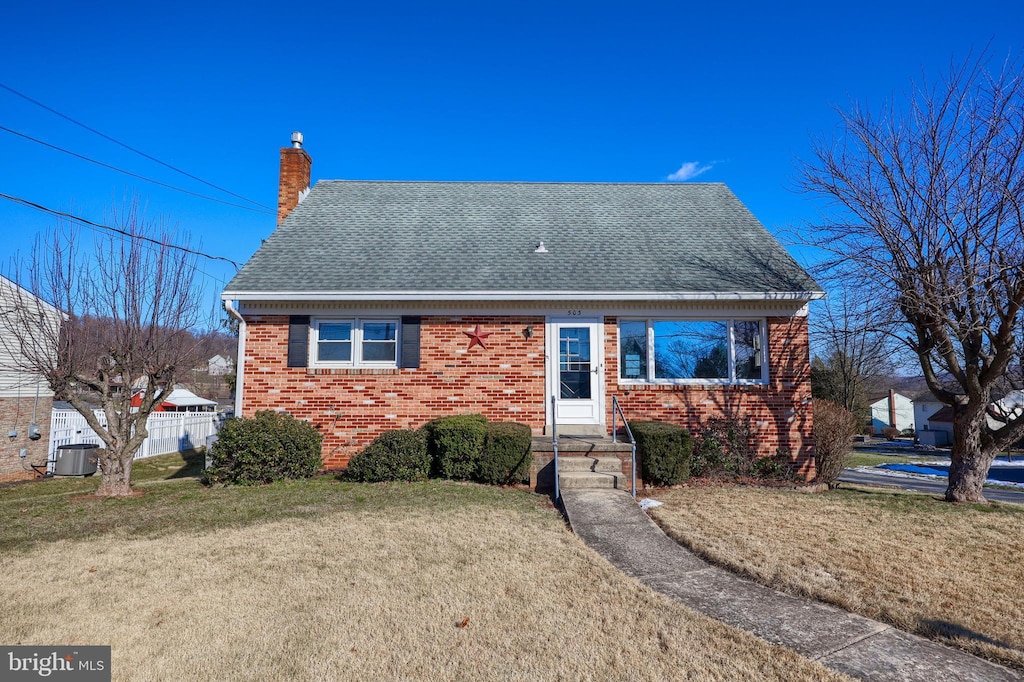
point(168, 431)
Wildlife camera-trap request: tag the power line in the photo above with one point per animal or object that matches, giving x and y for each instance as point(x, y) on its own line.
point(130, 148)
point(117, 230)
point(134, 175)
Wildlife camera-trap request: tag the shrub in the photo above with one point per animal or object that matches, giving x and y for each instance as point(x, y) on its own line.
point(455, 444)
point(890, 432)
point(507, 454)
point(271, 446)
point(834, 428)
point(392, 456)
point(664, 451)
point(777, 467)
point(726, 446)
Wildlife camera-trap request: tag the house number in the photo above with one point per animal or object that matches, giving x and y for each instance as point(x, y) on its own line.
point(575, 312)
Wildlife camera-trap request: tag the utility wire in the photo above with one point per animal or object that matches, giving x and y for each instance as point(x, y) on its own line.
point(130, 148)
point(89, 223)
point(134, 175)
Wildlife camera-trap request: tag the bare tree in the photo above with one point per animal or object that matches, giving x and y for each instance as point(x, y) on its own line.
point(130, 309)
point(929, 196)
point(852, 336)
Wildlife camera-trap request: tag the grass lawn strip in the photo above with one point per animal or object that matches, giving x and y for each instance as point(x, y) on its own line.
point(858, 458)
point(333, 582)
point(951, 573)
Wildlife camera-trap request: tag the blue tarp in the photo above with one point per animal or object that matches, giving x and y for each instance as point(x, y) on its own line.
point(996, 473)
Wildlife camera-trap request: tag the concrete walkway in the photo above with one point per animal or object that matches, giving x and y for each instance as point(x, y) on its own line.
point(611, 523)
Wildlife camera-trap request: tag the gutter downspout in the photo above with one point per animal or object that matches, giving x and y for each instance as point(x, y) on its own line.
point(240, 365)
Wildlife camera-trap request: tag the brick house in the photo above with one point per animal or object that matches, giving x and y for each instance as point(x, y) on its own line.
point(381, 305)
point(25, 398)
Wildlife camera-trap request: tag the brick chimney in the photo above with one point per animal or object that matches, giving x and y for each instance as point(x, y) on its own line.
point(892, 408)
point(294, 181)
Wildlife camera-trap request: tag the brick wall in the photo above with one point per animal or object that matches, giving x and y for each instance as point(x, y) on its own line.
point(505, 382)
point(779, 412)
point(17, 414)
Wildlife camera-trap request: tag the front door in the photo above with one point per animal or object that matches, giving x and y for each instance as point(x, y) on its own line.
point(574, 368)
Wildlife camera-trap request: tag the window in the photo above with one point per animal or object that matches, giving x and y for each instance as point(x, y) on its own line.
point(691, 351)
point(356, 342)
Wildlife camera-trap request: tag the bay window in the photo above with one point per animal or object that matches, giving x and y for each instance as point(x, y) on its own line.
point(692, 351)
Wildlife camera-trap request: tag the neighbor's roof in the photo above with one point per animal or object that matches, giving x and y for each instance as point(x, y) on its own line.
point(181, 397)
point(479, 240)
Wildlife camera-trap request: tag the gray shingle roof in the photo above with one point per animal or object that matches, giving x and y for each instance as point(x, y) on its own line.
point(473, 237)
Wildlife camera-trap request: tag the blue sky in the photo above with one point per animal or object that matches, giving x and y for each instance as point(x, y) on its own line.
point(566, 91)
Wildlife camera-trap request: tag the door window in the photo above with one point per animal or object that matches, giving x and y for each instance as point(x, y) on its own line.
point(574, 371)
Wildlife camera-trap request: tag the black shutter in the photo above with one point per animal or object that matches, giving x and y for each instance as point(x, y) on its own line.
point(298, 341)
point(410, 342)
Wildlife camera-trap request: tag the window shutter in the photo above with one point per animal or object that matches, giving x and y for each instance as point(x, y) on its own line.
point(298, 340)
point(410, 342)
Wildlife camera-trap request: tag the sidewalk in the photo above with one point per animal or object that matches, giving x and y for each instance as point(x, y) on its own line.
point(611, 523)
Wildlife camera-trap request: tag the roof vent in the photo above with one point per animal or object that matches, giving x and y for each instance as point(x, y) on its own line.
point(297, 140)
point(540, 247)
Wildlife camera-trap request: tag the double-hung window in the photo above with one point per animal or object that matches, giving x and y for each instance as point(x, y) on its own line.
point(692, 351)
point(355, 342)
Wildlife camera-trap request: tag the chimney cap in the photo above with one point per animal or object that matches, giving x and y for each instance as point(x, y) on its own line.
point(297, 140)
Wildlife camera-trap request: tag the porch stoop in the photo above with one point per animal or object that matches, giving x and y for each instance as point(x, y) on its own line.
point(583, 462)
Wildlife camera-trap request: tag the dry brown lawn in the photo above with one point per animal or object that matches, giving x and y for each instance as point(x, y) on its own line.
point(952, 573)
point(369, 594)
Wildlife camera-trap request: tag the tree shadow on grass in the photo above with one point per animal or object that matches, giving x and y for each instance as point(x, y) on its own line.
point(944, 628)
point(195, 463)
point(190, 465)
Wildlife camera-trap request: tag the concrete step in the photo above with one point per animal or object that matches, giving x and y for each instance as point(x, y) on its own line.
point(577, 430)
point(603, 465)
point(580, 445)
point(589, 479)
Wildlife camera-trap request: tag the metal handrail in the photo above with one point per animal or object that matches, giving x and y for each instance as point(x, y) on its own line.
point(554, 448)
point(617, 409)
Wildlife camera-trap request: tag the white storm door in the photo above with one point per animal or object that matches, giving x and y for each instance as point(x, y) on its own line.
point(575, 368)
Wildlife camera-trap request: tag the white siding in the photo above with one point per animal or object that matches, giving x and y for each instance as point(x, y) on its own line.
point(904, 413)
point(923, 409)
point(15, 379)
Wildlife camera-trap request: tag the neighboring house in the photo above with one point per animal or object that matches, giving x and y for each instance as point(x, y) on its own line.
point(998, 413)
point(1005, 409)
point(218, 366)
point(925, 408)
point(381, 305)
point(180, 400)
point(25, 397)
point(892, 410)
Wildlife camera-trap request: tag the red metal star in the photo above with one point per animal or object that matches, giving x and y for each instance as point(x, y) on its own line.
point(477, 338)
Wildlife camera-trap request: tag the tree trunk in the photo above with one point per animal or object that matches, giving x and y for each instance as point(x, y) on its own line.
point(115, 480)
point(969, 460)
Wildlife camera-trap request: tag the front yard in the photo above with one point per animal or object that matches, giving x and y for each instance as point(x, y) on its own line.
point(951, 573)
point(321, 580)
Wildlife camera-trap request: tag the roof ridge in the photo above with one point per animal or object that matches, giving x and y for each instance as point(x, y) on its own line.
point(526, 182)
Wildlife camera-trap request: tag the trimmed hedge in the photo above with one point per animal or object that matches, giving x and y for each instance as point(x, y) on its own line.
point(507, 454)
point(392, 456)
point(271, 446)
point(664, 451)
point(456, 444)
